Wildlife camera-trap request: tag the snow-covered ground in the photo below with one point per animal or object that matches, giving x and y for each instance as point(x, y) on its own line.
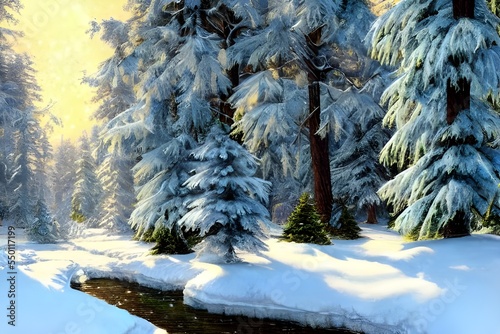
point(377, 284)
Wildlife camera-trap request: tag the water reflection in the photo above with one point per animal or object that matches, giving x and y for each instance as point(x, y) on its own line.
point(166, 310)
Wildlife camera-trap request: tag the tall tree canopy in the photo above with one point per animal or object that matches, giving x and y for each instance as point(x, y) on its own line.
point(446, 137)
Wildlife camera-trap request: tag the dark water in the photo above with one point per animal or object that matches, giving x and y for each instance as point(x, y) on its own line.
point(166, 310)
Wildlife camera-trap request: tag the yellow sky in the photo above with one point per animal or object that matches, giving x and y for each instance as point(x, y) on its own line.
point(61, 50)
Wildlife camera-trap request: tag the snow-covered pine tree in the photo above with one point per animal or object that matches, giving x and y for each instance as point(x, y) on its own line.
point(63, 178)
point(355, 118)
point(271, 130)
point(143, 45)
point(43, 229)
point(118, 192)
point(10, 101)
point(25, 150)
point(271, 103)
point(88, 191)
point(32, 154)
point(228, 209)
point(161, 199)
point(115, 94)
point(178, 50)
point(25, 195)
point(446, 131)
point(117, 75)
point(299, 42)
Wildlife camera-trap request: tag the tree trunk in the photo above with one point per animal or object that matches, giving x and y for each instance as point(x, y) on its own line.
point(463, 8)
point(458, 99)
point(320, 156)
point(226, 111)
point(371, 217)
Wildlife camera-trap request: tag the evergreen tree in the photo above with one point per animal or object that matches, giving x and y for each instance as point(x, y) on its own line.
point(356, 119)
point(182, 89)
point(446, 131)
point(63, 179)
point(304, 224)
point(32, 153)
point(300, 49)
point(20, 131)
point(87, 193)
point(115, 175)
point(271, 103)
point(270, 129)
point(227, 209)
point(345, 226)
point(116, 77)
point(22, 208)
point(161, 197)
point(43, 229)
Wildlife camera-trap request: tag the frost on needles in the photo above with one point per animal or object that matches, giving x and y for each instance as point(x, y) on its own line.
point(449, 172)
point(226, 206)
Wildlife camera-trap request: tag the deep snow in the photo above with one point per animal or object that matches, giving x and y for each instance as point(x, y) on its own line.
point(377, 284)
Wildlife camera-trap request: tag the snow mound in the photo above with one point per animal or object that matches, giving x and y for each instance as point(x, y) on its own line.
point(44, 303)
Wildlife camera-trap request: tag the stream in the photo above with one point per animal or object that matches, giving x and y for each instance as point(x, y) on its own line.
point(166, 310)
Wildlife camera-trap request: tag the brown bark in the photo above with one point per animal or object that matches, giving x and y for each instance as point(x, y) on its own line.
point(458, 99)
point(320, 154)
point(371, 217)
point(320, 157)
point(463, 8)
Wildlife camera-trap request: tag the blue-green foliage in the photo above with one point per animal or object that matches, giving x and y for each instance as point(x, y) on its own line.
point(227, 202)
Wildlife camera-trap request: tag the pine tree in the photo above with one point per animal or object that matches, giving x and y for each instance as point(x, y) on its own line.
point(304, 224)
point(227, 209)
point(24, 147)
point(162, 172)
point(87, 193)
point(43, 229)
point(298, 46)
point(63, 179)
point(271, 104)
point(32, 153)
point(356, 120)
point(115, 175)
point(176, 50)
point(271, 130)
point(345, 226)
point(446, 131)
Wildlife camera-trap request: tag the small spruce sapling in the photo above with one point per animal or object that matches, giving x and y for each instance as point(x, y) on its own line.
point(346, 226)
point(304, 224)
point(172, 241)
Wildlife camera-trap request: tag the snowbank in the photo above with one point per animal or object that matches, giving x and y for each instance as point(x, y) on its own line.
point(377, 284)
point(37, 299)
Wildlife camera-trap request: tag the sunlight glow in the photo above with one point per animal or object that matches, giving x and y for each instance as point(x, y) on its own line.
point(56, 39)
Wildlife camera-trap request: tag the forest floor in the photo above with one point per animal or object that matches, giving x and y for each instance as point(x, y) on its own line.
point(377, 284)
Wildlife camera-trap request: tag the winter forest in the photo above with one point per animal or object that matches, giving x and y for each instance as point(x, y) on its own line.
point(216, 116)
point(240, 139)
